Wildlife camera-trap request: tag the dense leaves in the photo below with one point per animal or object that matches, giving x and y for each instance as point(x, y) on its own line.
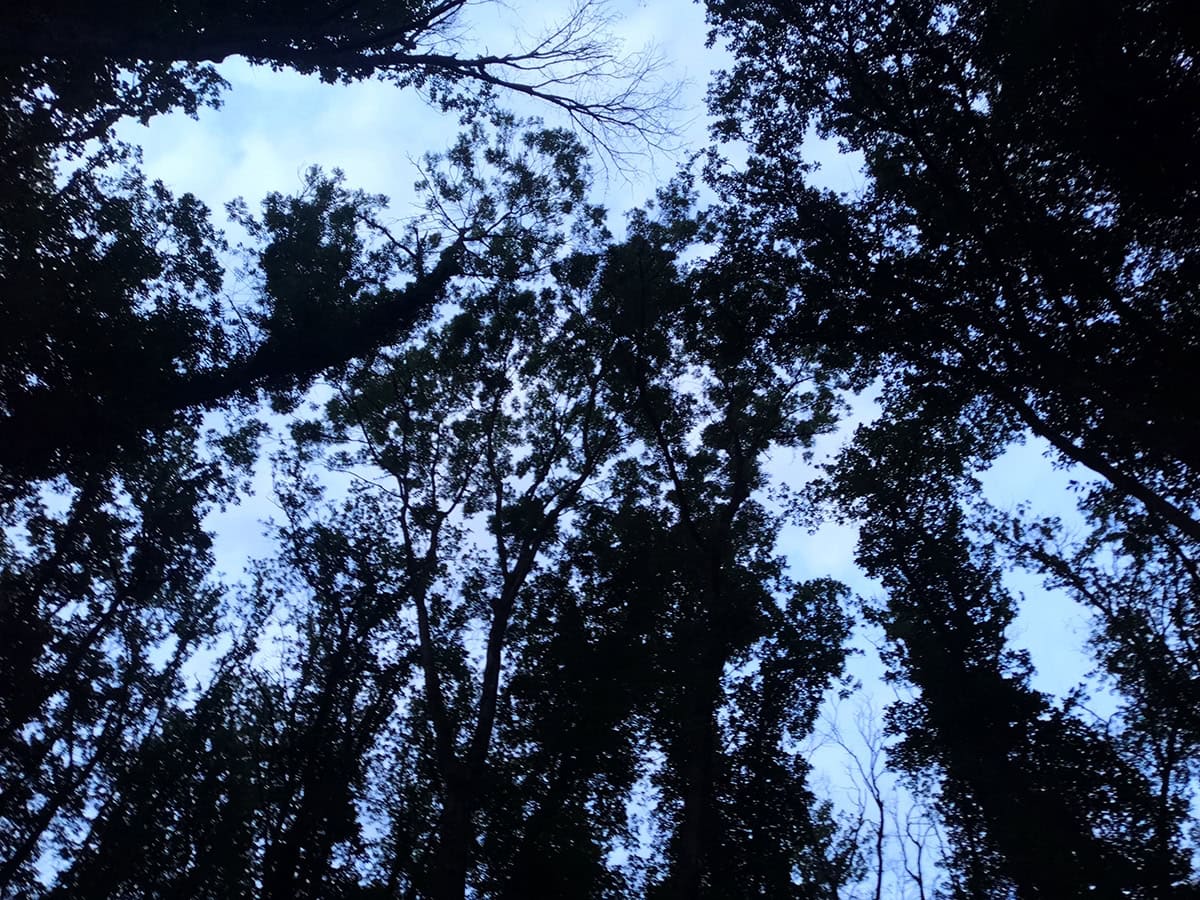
point(1019, 261)
point(526, 628)
point(1025, 234)
point(1005, 754)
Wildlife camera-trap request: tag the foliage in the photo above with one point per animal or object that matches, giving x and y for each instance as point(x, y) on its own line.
point(1022, 236)
point(1016, 263)
point(1005, 754)
point(526, 629)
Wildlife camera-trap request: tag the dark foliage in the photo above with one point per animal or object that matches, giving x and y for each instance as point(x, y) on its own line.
point(526, 630)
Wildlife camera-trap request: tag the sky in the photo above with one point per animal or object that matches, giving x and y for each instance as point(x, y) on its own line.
point(274, 125)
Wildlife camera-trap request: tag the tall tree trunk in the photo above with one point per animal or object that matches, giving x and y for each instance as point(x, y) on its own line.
point(452, 856)
point(699, 739)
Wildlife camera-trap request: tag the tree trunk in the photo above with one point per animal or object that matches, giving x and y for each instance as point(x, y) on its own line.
point(450, 861)
point(699, 740)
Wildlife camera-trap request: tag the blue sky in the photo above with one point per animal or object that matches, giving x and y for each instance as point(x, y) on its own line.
point(274, 125)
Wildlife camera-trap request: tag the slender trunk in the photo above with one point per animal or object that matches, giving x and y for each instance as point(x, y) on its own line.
point(452, 856)
point(1154, 501)
point(697, 826)
point(1164, 832)
point(11, 868)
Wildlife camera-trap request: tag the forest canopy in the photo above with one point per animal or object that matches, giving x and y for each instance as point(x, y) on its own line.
point(528, 625)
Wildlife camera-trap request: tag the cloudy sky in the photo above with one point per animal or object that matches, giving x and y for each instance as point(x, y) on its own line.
point(273, 126)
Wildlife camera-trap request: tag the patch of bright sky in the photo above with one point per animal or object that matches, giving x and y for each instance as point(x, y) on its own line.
point(1051, 626)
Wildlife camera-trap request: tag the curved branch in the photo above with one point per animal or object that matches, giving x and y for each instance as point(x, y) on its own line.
point(48, 428)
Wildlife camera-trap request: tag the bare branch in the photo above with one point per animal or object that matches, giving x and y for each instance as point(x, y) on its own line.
point(618, 100)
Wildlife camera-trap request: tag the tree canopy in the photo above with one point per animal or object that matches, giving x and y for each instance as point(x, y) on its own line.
point(529, 624)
